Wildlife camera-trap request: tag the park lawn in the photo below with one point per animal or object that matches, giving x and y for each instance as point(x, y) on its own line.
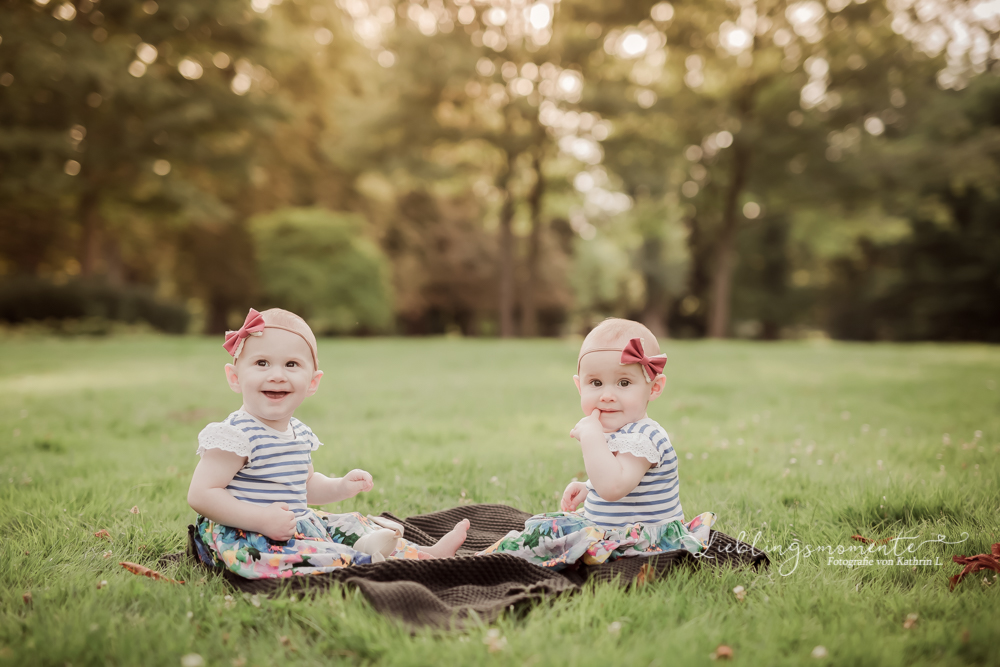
point(790, 444)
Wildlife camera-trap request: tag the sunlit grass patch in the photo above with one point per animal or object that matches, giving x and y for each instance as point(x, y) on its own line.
point(792, 445)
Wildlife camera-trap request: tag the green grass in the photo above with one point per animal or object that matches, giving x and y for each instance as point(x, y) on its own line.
point(91, 428)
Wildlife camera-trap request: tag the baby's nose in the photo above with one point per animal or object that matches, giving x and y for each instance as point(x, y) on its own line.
point(277, 374)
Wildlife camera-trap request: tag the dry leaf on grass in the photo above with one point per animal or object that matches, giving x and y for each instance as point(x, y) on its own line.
point(868, 540)
point(911, 620)
point(494, 642)
point(101, 584)
point(723, 652)
point(134, 510)
point(646, 575)
point(740, 593)
point(192, 660)
point(144, 571)
point(103, 534)
point(990, 561)
point(26, 597)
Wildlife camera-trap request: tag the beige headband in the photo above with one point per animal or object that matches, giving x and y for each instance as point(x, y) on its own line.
point(312, 350)
point(595, 349)
point(633, 353)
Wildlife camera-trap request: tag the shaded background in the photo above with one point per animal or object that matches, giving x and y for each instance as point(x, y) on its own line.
point(503, 168)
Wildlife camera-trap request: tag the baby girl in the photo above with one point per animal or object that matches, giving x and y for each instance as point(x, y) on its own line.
point(255, 480)
point(631, 501)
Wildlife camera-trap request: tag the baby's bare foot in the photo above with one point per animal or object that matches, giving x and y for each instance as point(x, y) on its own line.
point(449, 544)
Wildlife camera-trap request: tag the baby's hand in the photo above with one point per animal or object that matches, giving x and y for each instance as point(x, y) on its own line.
point(591, 422)
point(575, 493)
point(278, 522)
point(357, 481)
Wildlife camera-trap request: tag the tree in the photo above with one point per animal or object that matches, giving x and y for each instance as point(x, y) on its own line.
point(752, 90)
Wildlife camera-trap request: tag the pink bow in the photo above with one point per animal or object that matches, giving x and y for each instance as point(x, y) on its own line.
point(651, 366)
point(252, 326)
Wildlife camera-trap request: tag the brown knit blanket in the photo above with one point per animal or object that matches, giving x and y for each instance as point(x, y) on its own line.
point(444, 592)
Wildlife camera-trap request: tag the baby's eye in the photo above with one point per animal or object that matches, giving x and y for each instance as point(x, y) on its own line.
point(291, 364)
point(262, 363)
point(596, 383)
point(624, 383)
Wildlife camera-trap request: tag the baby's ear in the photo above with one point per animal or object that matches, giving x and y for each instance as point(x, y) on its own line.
point(659, 382)
point(233, 379)
point(576, 381)
point(314, 383)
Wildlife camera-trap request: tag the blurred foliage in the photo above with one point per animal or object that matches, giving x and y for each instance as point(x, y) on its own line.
point(318, 264)
point(91, 303)
point(761, 169)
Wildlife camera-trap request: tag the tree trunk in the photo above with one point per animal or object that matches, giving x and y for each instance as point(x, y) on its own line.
point(91, 237)
point(529, 312)
point(725, 250)
point(722, 271)
point(507, 251)
point(654, 314)
point(217, 315)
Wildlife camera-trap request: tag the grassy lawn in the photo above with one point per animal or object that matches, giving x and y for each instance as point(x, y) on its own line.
point(804, 444)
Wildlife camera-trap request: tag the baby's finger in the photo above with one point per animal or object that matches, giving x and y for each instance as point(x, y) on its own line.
point(596, 414)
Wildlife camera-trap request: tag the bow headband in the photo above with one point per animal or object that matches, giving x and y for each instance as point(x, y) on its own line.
point(254, 325)
point(634, 354)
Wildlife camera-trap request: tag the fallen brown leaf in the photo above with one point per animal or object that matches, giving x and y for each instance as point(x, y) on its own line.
point(646, 575)
point(868, 540)
point(494, 641)
point(144, 571)
point(911, 620)
point(990, 561)
point(103, 534)
point(740, 593)
point(723, 652)
point(26, 597)
point(101, 584)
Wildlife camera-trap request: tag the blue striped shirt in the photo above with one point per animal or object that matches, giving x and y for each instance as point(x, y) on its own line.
point(277, 466)
point(657, 497)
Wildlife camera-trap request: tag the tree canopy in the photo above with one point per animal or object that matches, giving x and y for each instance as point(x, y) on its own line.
point(721, 167)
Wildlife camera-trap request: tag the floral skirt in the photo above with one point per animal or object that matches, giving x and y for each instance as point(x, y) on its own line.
point(560, 539)
point(322, 543)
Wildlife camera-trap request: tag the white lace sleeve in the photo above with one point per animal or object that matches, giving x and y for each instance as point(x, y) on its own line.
point(636, 444)
point(219, 435)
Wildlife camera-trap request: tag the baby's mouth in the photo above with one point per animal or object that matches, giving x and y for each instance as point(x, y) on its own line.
point(276, 395)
